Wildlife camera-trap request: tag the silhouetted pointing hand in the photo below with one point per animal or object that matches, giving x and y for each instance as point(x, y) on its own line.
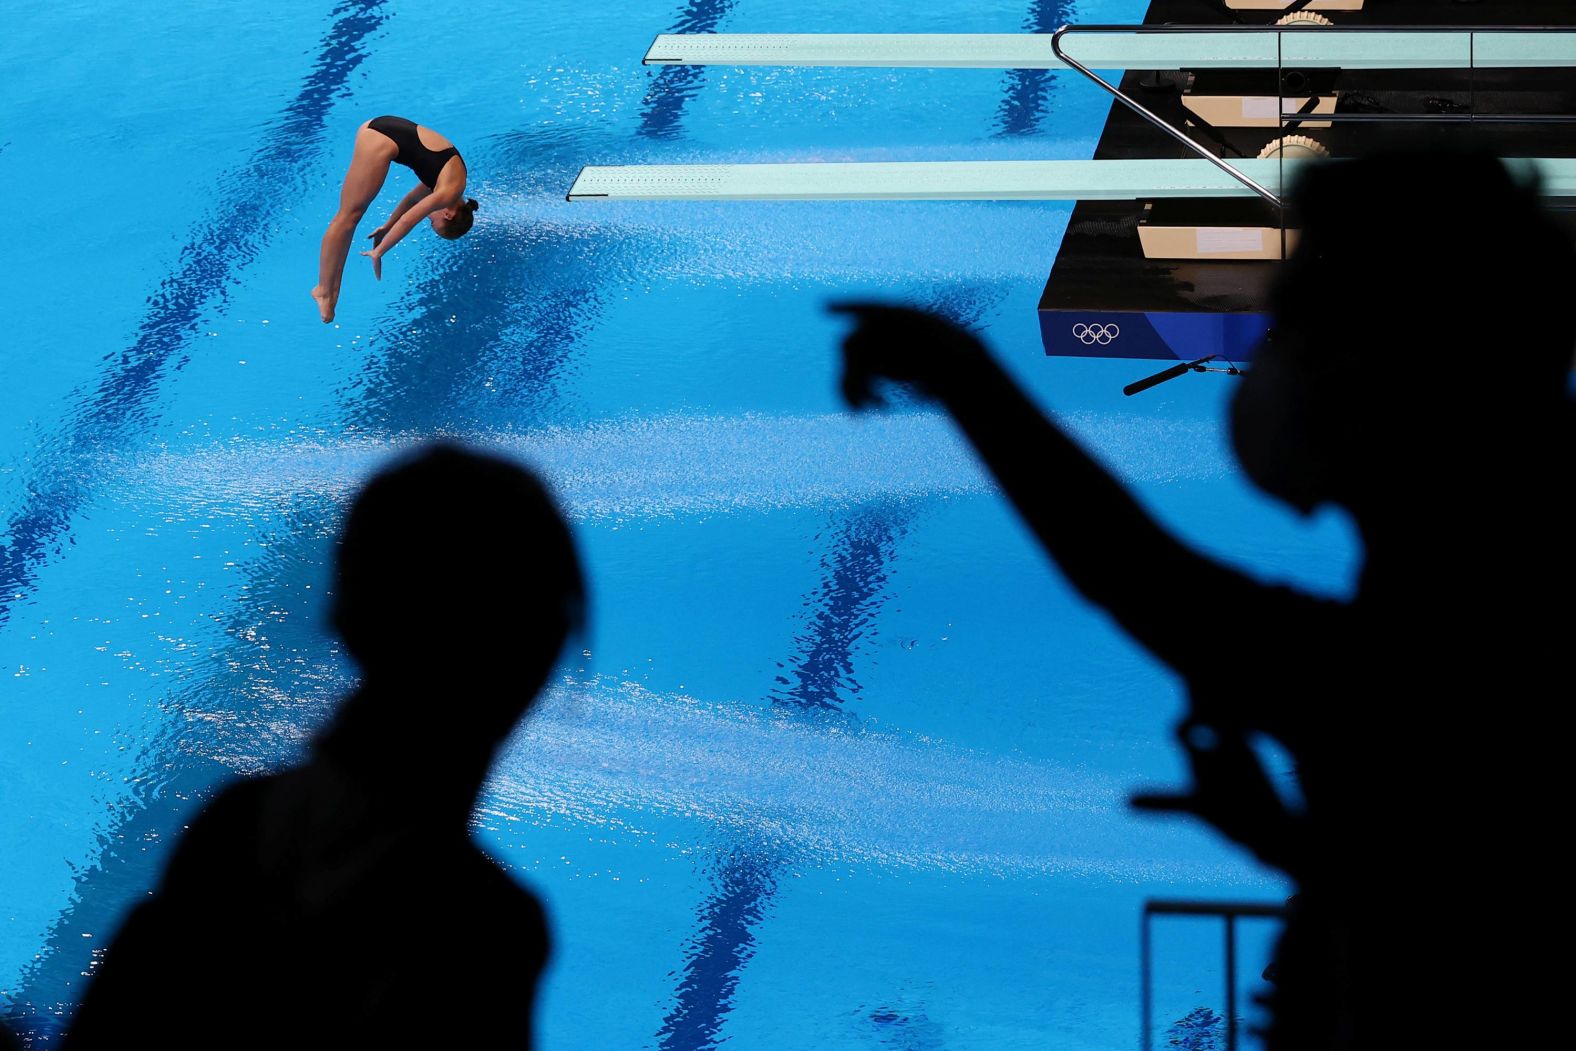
point(902, 345)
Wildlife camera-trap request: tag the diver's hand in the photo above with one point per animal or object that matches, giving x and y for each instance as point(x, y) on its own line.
point(377, 263)
point(378, 235)
point(902, 345)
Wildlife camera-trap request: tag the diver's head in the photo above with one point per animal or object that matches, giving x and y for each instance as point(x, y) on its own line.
point(456, 573)
point(454, 222)
point(1424, 316)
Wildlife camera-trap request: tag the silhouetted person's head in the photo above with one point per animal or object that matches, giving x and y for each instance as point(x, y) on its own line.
point(1425, 316)
point(458, 577)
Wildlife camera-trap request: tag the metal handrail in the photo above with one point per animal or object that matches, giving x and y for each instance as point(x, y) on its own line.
point(1187, 140)
point(1229, 912)
point(1147, 114)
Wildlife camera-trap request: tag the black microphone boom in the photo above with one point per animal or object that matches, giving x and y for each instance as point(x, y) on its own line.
point(1158, 378)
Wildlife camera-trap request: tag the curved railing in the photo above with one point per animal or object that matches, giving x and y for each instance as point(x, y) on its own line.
point(1149, 115)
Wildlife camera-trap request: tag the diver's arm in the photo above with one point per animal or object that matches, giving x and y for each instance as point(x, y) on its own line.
point(402, 226)
point(418, 193)
point(1162, 592)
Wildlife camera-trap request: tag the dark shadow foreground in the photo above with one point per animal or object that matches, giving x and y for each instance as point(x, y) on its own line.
point(1417, 376)
point(342, 902)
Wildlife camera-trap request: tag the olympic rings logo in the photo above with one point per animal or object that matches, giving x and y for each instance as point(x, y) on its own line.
point(1089, 335)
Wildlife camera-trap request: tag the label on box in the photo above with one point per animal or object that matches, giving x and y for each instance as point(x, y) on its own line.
point(1259, 107)
point(1217, 240)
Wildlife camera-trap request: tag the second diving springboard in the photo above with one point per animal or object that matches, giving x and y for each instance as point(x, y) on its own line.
point(1096, 180)
point(1255, 48)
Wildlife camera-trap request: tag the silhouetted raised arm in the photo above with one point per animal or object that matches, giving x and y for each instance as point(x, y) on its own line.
point(1157, 588)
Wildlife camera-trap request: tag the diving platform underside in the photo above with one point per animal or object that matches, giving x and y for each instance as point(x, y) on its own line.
point(1095, 180)
point(1238, 49)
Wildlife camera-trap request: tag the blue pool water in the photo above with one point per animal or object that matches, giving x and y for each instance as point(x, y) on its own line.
point(843, 762)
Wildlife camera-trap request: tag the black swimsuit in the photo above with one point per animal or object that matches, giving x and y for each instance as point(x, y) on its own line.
point(412, 154)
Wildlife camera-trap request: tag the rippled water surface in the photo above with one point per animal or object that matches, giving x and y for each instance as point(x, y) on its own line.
point(843, 762)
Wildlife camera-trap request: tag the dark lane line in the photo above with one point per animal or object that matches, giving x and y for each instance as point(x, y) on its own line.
point(821, 677)
point(845, 603)
point(745, 881)
point(817, 682)
point(67, 466)
point(662, 110)
point(1027, 98)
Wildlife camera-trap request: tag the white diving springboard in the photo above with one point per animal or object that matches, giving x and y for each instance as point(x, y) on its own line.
point(1119, 180)
point(1128, 50)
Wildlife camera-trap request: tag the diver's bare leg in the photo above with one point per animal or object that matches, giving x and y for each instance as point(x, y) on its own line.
point(368, 168)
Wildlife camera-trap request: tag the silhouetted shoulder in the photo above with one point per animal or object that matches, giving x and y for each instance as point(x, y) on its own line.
point(195, 925)
point(222, 833)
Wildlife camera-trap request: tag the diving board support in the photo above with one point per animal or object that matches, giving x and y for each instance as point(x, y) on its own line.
point(1194, 47)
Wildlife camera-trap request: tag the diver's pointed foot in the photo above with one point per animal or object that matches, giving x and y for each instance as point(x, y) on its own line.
point(325, 305)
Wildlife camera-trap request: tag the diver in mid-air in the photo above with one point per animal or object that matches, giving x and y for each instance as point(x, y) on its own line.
point(440, 196)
